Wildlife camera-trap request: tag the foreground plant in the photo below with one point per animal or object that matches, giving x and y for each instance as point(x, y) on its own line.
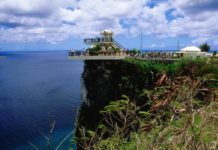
point(181, 123)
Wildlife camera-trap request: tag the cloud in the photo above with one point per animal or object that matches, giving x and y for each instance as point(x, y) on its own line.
point(34, 20)
point(56, 20)
point(27, 8)
point(196, 20)
point(193, 7)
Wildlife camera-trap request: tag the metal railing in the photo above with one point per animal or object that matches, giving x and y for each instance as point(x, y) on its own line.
point(118, 45)
point(97, 40)
point(127, 54)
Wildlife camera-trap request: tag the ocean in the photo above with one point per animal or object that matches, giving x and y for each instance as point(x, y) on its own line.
point(36, 89)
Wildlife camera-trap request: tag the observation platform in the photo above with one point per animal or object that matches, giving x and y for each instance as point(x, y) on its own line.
point(162, 57)
point(97, 57)
point(79, 55)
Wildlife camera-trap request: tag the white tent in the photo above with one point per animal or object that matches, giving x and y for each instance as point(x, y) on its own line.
point(191, 49)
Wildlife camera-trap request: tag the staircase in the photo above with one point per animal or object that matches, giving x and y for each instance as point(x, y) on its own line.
point(118, 44)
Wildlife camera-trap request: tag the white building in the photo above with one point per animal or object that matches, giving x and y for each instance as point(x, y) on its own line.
point(192, 52)
point(191, 49)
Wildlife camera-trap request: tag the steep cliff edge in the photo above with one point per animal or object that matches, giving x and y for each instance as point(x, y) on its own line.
point(104, 81)
point(166, 91)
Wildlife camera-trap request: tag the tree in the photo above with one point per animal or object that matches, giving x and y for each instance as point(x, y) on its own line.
point(97, 47)
point(205, 47)
point(134, 52)
point(94, 50)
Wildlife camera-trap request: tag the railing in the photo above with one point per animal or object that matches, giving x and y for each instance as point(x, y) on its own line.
point(118, 45)
point(102, 40)
point(160, 55)
point(125, 54)
point(107, 53)
point(97, 40)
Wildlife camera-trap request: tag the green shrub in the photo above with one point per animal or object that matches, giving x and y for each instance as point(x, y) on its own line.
point(94, 50)
point(205, 47)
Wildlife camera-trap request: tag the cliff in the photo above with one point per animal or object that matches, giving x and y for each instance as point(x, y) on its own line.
point(155, 86)
point(104, 81)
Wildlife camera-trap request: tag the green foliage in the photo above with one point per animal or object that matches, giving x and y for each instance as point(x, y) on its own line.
point(91, 133)
point(204, 66)
point(213, 83)
point(116, 49)
point(94, 50)
point(209, 136)
point(174, 68)
point(111, 143)
point(205, 47)
point(183, 123)
point(97, 47)
point(146, 94)
point(115, 106)
point(134, 51)
point(191, 130)
point(144, 114)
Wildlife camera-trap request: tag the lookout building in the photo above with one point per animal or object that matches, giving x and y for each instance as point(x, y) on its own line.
point(106, 39)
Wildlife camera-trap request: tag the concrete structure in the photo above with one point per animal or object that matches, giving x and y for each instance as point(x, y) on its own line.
point(106, 48)
point(101, 48)
point(107, 36)
point(106, 39)
point(191, 52)
point(103, 55)
point(112, 57)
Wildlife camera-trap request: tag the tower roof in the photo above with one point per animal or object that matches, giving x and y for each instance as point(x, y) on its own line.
point(107, 32)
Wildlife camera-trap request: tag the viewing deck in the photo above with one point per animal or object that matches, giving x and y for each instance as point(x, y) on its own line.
point(79, 55)
point(97, 57)
point(152, 56)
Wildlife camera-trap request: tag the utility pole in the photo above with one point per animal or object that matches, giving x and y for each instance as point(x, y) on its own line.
point(141, 41)
point(178, 45)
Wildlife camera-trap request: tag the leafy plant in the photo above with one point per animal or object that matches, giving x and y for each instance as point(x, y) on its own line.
point(205, 47)
point(94, 50)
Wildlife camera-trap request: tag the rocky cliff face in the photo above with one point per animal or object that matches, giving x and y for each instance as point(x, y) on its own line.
point(104, 81)
point(97, 89)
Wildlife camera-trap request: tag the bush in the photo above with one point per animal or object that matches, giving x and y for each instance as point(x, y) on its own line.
point(194, 129)
point(94, 50)
point(205, 47)
point(134, 52)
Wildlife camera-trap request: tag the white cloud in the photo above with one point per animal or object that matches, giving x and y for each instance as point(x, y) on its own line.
point(197, 20)
point(32, 20)
point(55, 20)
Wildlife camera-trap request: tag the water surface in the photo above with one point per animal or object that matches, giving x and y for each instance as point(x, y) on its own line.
point(37, 88)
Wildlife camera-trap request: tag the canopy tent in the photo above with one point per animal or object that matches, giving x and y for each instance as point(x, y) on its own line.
point(191, 49)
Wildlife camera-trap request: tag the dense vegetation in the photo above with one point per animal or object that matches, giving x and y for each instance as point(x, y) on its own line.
point(205, 47)
point(163, 106)
point(97, 49)
point(94, 50)
point(134, 52)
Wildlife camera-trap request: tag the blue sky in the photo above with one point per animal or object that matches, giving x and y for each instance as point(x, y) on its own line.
point(63, 24)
